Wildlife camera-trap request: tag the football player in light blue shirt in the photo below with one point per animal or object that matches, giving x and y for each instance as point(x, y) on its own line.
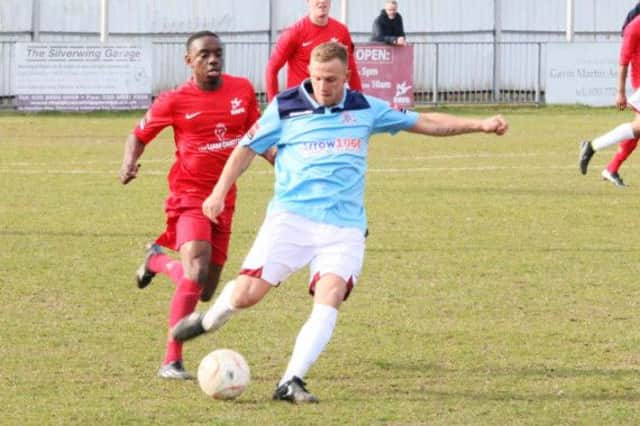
point(316, 217)
point(322, 151)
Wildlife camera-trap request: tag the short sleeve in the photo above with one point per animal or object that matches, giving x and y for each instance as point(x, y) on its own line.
point(265, 133)
point(254, 110)
point(390, 120)
point(158, 116)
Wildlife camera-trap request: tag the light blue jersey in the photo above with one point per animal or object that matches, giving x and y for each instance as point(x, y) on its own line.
point(322, 152)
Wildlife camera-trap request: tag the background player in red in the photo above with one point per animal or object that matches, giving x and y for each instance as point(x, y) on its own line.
point(209, 114)
point(626, 134)
point(296, 43)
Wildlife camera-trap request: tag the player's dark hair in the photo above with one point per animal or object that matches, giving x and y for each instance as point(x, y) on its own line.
point(631, 16)
point(198, 35)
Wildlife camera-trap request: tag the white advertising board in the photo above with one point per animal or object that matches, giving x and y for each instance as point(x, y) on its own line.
point(582, 73)
point(69, 76)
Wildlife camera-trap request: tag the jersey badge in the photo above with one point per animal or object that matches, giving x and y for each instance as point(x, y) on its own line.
point(236, 106)
point(220, 131)
point(348, 118)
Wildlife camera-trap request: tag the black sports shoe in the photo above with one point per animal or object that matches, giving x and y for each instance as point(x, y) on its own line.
point(294, 391)
point(175, 371)
point(614, 178)
point(144, 275)
point(188, 327)
point(586, 152)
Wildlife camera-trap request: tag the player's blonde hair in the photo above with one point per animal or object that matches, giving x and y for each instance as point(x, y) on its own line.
point(329, 51)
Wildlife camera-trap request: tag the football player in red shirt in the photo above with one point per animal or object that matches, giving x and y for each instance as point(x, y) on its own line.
point(296, 43)
point(209, 114)
point(625, 134)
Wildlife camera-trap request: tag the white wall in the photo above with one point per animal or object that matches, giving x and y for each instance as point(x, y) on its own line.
point(167, 23)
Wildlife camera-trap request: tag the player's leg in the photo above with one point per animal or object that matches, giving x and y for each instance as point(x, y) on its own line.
point(241, 293)
point(610, 173)
point(195, 256)
point(274, 255)
point(209, 287)
point(623, 132)
point(193, 238)
point(155, 261)
point(312, 339)
point(334, 270)
point(220, 238)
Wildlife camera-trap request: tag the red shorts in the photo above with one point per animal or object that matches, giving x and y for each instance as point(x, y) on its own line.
point(186, 222)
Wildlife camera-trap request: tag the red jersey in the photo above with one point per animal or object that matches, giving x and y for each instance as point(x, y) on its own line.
point(294, 48)
point(207, 125)
point(630, 50)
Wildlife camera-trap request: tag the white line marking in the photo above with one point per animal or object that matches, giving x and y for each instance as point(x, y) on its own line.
point(416, 158)
point(269, 172)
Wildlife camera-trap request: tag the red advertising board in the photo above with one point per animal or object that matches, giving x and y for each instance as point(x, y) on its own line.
point(387, 72)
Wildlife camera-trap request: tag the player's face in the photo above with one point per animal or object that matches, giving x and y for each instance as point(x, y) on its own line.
point(205, 58)
point(391, 10)
point(328, 80)
point(319, 10)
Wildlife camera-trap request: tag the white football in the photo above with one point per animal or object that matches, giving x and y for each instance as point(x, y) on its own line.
point(223, 374)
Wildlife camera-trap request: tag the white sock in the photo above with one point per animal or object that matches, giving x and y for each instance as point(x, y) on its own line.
point(222, 309)
point(617, 135)
point(312, 339)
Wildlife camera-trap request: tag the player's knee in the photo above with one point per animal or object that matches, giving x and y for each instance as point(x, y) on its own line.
point(198, 272)
point(248, 292)
point(635, 126)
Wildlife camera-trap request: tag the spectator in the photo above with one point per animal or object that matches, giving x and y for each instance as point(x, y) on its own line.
point(388, 27)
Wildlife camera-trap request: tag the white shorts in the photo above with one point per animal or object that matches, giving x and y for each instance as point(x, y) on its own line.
point(634, 100)
point(287, 242)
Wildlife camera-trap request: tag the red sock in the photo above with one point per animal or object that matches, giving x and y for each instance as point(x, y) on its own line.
point(157, 262)
point(174, 271)
point(625, 150)
point(161, 263)
point(183, 303)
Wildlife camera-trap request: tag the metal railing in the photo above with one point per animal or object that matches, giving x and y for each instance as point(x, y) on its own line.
point(444, 72)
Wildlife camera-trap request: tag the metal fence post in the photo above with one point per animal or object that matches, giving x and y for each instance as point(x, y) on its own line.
point(35, 20)
point(497, 39)
point(539, 75)
point(434, 95)
point(104, 21)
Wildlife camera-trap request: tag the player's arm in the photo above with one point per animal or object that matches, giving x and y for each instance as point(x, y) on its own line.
point(270, 155)
point(238, 162)
point(133, 149)
point(437, 124)
point(157, 118)
point(354, 78)
point(621, 96)
point(630, 38)
point(283, 50)
point(261, 138)
point(252, 118)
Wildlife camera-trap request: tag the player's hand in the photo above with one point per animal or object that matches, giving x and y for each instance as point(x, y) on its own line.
point(621, 101)
point(496, 124)
point(128, 172)
point(401, 41)
point(212, 207)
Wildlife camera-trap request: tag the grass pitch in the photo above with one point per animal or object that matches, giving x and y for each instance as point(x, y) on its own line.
point(500, 286)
